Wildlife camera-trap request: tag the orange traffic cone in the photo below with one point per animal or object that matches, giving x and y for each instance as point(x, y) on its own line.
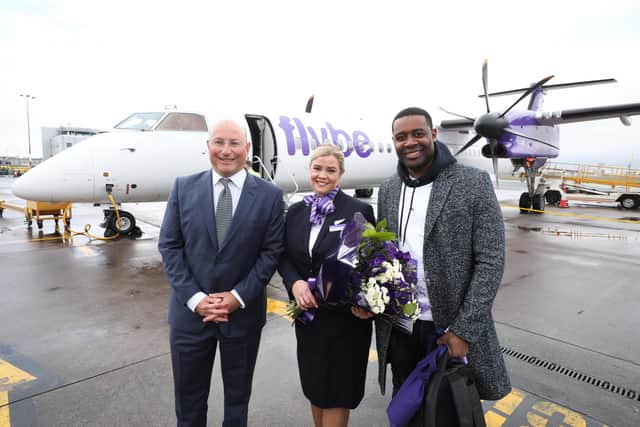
point(564, 203)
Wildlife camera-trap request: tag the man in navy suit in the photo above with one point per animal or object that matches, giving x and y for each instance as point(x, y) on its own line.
point(220, 241)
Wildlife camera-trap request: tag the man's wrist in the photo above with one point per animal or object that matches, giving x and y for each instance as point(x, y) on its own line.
point(237, 296)
point(193, 302)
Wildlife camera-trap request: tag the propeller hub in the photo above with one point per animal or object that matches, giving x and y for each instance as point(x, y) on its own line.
point(490, 126)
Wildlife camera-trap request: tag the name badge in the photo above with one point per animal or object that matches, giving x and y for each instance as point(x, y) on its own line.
point(336, 227)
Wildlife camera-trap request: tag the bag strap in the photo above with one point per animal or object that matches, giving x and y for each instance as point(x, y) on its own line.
point(431, 397)
point(467, 401)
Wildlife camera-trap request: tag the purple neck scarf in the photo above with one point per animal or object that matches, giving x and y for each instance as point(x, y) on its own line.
point(320, 206)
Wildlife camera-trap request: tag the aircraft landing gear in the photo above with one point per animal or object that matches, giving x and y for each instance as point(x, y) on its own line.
point(525, 203)
point(538, 202)
point(127, 224)
point(531, 199)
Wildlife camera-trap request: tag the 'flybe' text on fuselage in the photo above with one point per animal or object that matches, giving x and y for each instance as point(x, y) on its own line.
point(306, 138)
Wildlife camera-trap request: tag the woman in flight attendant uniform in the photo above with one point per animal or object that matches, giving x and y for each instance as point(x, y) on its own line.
point(333, 349)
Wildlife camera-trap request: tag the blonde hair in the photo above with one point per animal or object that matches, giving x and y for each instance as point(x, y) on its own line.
point(329, 150)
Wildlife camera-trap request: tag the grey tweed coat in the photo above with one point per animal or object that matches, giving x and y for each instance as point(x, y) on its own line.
point(464, 259)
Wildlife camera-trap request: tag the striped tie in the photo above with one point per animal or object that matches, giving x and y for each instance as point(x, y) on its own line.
point(224, 211)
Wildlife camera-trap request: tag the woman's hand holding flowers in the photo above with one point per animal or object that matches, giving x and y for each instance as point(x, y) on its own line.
point(361, 313)
point(302, 294)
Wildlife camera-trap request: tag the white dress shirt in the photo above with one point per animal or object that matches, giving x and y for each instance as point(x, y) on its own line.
point(235, 186)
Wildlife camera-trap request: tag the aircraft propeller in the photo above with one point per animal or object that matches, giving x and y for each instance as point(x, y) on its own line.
point(493, 125)
point(309, 104)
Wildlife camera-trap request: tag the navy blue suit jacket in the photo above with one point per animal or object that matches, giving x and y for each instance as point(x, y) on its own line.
point(195, 261)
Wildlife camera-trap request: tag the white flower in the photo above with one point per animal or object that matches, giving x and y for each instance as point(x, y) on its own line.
point(376, 297)
point(388, 274)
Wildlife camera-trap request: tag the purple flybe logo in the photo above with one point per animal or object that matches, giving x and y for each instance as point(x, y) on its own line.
point(306, 138)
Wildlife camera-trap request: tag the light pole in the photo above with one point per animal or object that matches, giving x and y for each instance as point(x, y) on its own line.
point(26, 98)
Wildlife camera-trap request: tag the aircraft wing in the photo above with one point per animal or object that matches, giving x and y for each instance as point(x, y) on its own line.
point(621, 111)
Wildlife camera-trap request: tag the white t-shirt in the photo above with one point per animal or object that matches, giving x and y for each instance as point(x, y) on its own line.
point(412, 214)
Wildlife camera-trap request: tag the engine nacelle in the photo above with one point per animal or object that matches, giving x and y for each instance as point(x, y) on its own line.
point(499, 151)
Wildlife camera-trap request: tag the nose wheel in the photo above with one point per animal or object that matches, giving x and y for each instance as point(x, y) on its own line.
point(127, 226)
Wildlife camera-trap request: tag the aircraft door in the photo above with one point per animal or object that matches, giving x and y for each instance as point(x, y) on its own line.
point(265, 152)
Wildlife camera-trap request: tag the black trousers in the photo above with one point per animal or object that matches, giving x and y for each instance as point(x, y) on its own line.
point(405, 351)
point(192, 360)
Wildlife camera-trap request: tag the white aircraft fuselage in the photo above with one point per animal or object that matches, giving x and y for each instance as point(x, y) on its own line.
point(137, 165)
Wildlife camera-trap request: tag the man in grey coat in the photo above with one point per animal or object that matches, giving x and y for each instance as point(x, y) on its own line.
point(448, 217)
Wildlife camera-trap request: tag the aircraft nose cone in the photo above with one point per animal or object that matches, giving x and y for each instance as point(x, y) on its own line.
point(62, 178)
point(41, 184)
point(23, 185)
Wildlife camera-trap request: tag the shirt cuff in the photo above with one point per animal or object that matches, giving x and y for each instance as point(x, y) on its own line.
point(195, 300)
point(237, 295)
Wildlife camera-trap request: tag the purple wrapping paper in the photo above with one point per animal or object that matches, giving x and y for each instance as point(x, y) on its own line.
point(407, 401)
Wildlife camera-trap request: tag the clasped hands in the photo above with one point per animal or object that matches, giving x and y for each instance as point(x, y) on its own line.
point(217, 307)
point(305, 300)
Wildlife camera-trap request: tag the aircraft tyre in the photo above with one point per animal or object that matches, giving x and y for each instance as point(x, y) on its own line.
point(552, 197)
point(364, 193)
point(127, 223)
point(525, 203)
point(538, 202)
point(629, 202)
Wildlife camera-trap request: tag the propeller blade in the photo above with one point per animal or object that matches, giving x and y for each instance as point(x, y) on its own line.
point(457, 115)
point(485, 83)
point(469, 144)
point(309, 104)
point(527, 93)
point(516, 133)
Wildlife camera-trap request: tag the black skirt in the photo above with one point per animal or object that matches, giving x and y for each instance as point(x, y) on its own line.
point(333, 353)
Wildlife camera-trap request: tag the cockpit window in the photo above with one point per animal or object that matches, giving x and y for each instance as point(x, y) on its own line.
point(183, 121)
point(142, 121)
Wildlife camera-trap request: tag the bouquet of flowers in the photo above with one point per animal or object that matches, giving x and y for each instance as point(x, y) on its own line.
point(367, 270)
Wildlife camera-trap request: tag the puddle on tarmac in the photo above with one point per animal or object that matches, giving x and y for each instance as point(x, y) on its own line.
point(572, 234)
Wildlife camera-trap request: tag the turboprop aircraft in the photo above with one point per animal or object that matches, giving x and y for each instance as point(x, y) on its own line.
point(139, 159)
point(529, 137)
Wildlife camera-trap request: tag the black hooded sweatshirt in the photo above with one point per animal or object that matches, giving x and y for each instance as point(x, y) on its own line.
point(442, 158)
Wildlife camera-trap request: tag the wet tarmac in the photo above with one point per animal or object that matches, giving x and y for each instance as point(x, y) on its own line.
point(84, 337)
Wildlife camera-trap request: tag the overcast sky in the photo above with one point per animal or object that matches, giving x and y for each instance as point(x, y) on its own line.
point(91, 63)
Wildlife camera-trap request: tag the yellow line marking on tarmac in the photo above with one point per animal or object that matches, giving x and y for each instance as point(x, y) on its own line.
point(5, 421)
point(549, 409)
point(573, 215)
point(10, 375)
point(510, 402)
point(373, 355)
point(494, 420)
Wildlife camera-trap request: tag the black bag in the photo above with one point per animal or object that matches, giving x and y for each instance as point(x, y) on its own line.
point(452, 399)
